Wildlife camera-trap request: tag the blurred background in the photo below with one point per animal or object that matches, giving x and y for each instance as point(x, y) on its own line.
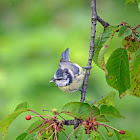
point(32, 36)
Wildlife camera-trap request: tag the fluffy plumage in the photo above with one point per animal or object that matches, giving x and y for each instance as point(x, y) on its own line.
point(69, 76)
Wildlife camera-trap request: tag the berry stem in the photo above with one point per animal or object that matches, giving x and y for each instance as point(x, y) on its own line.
point(38, 114)
point(47, 128)
point(55, 137)
point(102, 134)
point(51, 136)
point(43, 115)
point(136, 27)
point(42, 125)
point(74, 130)
point(34, 129)
point(105, 125)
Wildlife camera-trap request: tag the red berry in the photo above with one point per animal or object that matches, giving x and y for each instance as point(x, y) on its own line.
point(28, 117)
point(121, 131)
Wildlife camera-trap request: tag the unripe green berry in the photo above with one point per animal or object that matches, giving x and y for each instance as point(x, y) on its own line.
point(109, 133)
point(48, 133)
point(54, 111)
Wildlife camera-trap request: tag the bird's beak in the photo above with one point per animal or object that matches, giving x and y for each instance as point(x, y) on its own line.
point(51, 80)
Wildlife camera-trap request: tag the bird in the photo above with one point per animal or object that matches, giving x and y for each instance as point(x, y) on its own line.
point(69, 76)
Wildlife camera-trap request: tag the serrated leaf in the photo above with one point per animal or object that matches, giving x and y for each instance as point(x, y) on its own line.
point(79, 110)
point(108, 100)
point(118, 70)
point(95, 135)
point(78, 134)
point(134, 77)
point(103, 45)
point(124, 31)
point(127, 136)
point(23, 105)
point(4, 124)
point(111, 111)
point(22, 136)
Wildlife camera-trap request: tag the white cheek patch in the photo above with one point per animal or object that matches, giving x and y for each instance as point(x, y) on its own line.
point(62, 83)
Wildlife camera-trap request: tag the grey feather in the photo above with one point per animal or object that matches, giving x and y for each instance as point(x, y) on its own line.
point(65, 55)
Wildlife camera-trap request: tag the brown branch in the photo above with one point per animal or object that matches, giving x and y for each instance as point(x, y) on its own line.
point(91, 51)
point(72, 122)
point(104, 23)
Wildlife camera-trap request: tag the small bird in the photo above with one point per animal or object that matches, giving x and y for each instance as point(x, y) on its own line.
point(69, 76)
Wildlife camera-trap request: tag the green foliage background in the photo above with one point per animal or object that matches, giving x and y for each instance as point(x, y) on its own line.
point(32, 36)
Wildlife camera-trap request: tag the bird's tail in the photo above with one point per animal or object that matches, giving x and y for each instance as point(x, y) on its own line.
point(65, 55)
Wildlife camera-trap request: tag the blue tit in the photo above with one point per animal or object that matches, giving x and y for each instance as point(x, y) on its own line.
point(69, 76)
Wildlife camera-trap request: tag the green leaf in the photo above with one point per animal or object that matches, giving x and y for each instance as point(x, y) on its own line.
point(129, 1)
point(95, 136)
point(22, 105)
point(127, 136)
point(138, 5)
point(118, 70)
point(130, 44)
point(78, 134)
point(102, 118)
point(4, 124)
point(79, 110)
point(111, 111)
point(34, 125)
point(33, 136)
point(124, 31)
point(108, 100)
point(134, 77)
point(22, 136)
point(103, 46)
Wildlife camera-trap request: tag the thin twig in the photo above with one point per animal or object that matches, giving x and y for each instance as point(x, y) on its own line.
point(104, 23)
point(91, 51)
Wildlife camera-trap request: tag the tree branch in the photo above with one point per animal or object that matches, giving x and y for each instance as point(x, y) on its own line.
point(91, 51)
point(72, 122)
point(104, 23)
